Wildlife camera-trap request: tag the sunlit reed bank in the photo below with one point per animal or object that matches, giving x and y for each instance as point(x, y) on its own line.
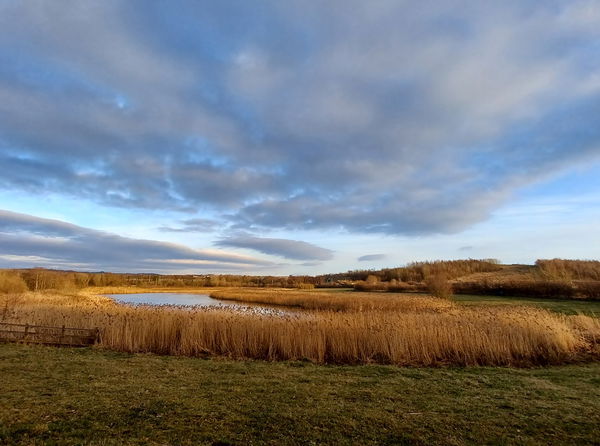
point(335, 301)
point(428, 335)
point(562, 269)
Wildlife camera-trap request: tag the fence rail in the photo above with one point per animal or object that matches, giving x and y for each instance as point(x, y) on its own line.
point(41, 334)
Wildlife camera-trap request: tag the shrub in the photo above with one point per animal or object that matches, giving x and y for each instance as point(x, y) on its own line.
point(522, 288)
point(406, 287)
point(438, 286)
point(362, 285)
point(589, 290)
point(11, 282)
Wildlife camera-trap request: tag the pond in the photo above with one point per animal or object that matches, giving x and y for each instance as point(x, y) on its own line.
point(193, 300)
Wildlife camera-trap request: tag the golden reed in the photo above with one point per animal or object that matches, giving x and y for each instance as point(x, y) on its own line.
point(419, 332)
point(333, 301)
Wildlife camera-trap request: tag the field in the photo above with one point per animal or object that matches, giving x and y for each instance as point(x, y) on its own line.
point(329, 328)
point(564, 306)
point(97, 397)
point(324, 373)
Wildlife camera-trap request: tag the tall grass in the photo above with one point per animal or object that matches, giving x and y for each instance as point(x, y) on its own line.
point(334, 301)
point(561, 269)
point(419, 271)
point(425, 335)
point(11, 283)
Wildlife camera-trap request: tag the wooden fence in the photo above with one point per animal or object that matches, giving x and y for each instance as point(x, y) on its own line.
point(39, 334)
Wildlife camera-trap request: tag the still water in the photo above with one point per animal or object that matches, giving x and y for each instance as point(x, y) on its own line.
point(192, 300)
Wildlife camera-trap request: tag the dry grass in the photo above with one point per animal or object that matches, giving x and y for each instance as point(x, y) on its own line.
point(334, 301)
point(417, 331)
point(506, 273)
point(567, 270)
point(11, 283)
point(419, 271)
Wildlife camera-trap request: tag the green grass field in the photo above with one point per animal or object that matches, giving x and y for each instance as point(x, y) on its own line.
point(566, 306)
point(88, 396)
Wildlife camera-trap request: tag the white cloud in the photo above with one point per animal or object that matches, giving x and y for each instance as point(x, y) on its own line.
point(27, 240)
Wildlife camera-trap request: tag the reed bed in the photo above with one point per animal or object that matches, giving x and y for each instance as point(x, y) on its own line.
point(336, 301)
point(417, 337)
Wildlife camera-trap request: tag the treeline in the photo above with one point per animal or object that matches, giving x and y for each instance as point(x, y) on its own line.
point(531, 288)
point(420, 271)
point(557, 278)
point(38, 279)
point(439, 285)
point(414, 276)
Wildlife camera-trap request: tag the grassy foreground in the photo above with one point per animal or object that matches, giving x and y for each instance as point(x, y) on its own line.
point(88, 396)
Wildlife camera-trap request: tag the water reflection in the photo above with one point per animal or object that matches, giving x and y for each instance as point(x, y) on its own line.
point(189, 300)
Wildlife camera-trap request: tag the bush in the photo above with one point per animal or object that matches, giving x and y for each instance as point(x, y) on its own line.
point(11, 282)
point(438, 286)
point(362, 285)
point(589, 290)
point(522, 288)
point(397, 286)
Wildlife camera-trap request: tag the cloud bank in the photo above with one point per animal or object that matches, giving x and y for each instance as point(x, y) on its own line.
point(392, 117)
point(371, 257)
point(192, 225)
point(29, 241)
point(289, 249)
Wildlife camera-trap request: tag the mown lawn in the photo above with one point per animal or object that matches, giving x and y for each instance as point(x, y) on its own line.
point(88, 396)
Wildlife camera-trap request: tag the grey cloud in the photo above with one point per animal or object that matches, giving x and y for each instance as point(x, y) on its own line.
point(310, 264)
point(33, 241)
point(192, 225)
point(289, 249)
point(371, 257)
point(362, 116)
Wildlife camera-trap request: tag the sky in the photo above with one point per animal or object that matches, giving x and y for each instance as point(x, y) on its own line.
point(297, 137)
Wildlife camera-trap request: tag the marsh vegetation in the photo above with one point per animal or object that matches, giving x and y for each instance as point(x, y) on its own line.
point(335, 327)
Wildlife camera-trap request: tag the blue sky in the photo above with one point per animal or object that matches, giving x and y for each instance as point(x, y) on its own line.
point(297, 137)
